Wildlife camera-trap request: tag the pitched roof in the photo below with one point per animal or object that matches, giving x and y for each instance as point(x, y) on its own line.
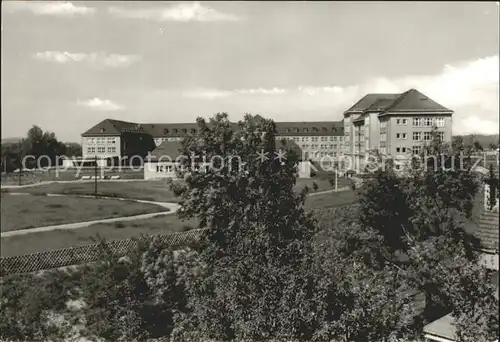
point(312, 128)
point(172, 149)
point(370, 99)
point(178, 130)
point(410, 101)
point(413, 100)
point(114, 127)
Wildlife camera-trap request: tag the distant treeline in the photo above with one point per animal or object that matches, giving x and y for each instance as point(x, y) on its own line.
point(487, 141)
point(37, 143)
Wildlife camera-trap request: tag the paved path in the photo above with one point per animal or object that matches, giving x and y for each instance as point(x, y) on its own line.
point(172, 208)
point(14, 186)
point(344, 188)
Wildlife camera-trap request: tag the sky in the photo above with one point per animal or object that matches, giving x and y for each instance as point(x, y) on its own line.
point(68, 65)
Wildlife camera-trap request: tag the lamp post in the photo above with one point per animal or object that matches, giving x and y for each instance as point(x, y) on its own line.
point(95, 176)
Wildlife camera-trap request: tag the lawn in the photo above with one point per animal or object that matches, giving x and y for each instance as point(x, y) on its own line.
point(330, 200)
point(20, 212)
point(145, 190)
point(44, 241)
point(322, 182)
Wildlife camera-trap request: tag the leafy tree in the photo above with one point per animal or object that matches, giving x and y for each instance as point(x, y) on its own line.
point(257, 236)
point(38, 143)
point(415, 224)
point(492, 182)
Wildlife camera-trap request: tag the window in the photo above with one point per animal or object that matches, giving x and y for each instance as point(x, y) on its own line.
point(398, 167)
point(184, 130)
point(383, 137)
point(383, 124)
point(101, 149)
point(193, 130)
point(90, 149)
point(398, 121)
point(404, 122)
point(112, 149)
point(315, 130)
point(175, 130)
point(324, 129)
point(440, 122)
point(417, 136)
point(427, 136)
point(102, 130)
point(305, 130)
point(297, 130)
point(341, 138)
point(305, 139)
point(287, 130)
point(440, 135)
point(417, 122)
point(428, 122)
point(165, 131)
point(382, 144)
point(403, 149)
point(415, 149)
point(398, 149)
point(400, 135)
point(305, 146)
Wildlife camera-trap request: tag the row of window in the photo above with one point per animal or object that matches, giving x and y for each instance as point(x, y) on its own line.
point(101, 149)
point(303, 139)
point(314, 130)
point(428, 122)
point(417, 136)
point(322, 154)
point(101, 140)
point(322, 147)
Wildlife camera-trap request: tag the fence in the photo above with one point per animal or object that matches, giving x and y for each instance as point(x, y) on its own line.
point(85, 254)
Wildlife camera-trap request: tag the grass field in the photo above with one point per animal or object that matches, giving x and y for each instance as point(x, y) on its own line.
point(145, 190)
point(20, 212)
point(44, 241)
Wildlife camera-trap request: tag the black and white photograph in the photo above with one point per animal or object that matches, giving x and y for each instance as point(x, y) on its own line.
point(249, 171)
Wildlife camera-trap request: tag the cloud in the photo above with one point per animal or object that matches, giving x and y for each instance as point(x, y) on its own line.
point(94, 59)
point(102, 105)
point(272, 91)
point(57, 8)
point(470, 88)
point(184, 12)
point(211, 94)
point(208, 94)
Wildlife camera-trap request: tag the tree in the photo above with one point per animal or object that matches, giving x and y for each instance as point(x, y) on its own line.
point(38, 143)
point(257, 237)
point(492, 183)
point(415, 224)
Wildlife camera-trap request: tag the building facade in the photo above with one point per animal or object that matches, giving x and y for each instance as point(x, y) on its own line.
point(394, 125)
point(119, 139)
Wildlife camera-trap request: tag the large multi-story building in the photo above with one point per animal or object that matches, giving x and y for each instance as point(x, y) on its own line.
point(119, 139)
point(395, 125)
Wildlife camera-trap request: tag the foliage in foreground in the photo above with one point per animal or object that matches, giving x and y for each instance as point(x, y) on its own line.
point(269, 271)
